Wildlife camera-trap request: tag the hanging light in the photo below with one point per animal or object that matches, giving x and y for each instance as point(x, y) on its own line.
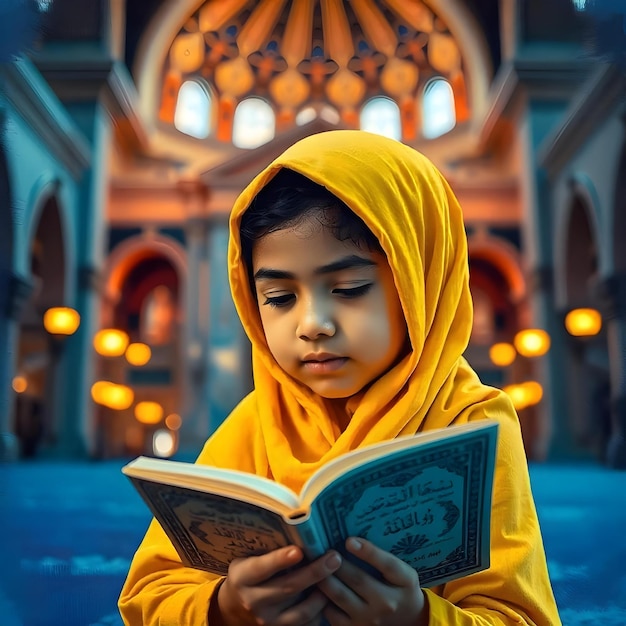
point(163, 443)
point(524, 394)
point(502, 354)
point(583, 322)
point(173, 421)
point(19, 384)
point(98, 391)
point(112, 395)
point(533, 392)
point(517, 395)
point(148, 412)
point(61, 320)
point(138, 354)
point(110, 342)
point(532, 342)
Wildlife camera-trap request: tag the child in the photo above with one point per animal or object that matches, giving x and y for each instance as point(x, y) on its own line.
point(348, 267)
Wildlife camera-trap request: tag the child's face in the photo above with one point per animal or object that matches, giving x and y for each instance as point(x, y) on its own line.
point(329, 309)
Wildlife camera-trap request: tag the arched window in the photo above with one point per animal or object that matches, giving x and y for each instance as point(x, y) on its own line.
point(438, 113)
point(193, 110)
point(158, 316)
point(483, 328)
point(254, 123)
point(382, 116)
point(305, 116)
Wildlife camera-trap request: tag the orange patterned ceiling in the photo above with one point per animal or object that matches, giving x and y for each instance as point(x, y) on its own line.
point(299, 52)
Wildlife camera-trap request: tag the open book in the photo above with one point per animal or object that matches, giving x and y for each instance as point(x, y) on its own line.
point(425, 498)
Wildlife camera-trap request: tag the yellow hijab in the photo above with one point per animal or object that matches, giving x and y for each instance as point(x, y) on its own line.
point(409, 206)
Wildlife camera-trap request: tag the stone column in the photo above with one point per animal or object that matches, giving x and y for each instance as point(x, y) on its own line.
point(76, 425)
point(195, 428)
point(554, 437)
point(613, 299)
point(228, 364)
point(19, 290)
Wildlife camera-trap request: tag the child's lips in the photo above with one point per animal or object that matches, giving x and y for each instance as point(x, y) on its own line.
point(322, 363)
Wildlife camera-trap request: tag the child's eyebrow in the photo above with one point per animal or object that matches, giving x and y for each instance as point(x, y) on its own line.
point(346, 263)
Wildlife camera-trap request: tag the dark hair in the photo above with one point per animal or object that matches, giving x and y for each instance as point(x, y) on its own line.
point(287, 200)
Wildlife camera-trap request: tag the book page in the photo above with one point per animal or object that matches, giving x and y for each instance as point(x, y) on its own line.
point(430, 505)
point(337, 467)
point(209, 479)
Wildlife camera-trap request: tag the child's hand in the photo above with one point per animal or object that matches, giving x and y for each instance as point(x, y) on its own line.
point(358, 598)
point(258, 590)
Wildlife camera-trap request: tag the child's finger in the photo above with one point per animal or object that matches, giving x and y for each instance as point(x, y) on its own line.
point(256, 570)
point(394, 570)
point(304, 577)
point(306, 612)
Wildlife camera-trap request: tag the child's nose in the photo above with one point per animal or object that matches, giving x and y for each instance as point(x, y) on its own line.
point(316, 321)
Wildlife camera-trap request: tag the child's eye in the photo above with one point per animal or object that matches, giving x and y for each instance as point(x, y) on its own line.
point(353, 292)
point(279, 301)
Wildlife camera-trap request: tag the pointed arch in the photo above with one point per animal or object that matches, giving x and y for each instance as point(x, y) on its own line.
point(132, 251)
point(577, 239)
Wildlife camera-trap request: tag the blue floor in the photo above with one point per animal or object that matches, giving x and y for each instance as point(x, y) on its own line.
point(68, 531)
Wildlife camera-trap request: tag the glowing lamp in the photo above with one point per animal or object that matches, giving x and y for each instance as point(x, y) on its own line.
point(524, 394)
point(173, 421)
point(61, 320)
point(583, 322)
point(119, 397)
point(532, 342)
point(533, 392)
point(138, 354)
point(163, 443)
point(19, 384)
point(148, 412)
point(111, 395)
point(98, 393)
point(518, 396)
point(502, 354)
point(110, 342)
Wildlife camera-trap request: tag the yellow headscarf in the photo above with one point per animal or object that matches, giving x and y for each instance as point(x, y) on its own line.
point(409, 206)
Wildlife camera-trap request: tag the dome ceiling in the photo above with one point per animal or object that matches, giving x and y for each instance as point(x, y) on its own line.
point(296, 53)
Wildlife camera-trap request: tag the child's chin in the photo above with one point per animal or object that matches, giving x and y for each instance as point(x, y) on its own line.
point(334, 394)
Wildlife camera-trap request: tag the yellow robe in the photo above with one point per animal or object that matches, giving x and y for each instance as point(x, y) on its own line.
point(284, 431)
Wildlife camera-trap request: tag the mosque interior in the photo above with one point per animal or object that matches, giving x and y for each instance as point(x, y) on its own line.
point(130, 126)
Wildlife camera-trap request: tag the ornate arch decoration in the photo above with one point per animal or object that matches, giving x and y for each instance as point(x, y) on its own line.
point(389, 56)
point(581, 196)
